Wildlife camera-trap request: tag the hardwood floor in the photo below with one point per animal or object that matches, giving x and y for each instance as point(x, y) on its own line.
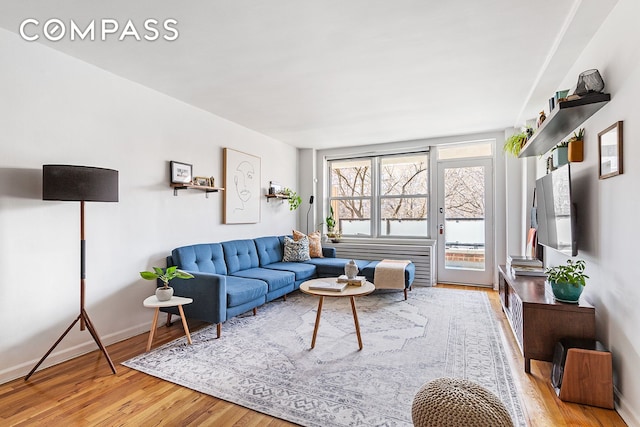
point(83, 392)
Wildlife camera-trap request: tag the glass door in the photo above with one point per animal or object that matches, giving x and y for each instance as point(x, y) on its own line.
point(465, 222)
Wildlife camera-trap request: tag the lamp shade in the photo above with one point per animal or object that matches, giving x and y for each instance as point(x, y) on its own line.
point(79, 183)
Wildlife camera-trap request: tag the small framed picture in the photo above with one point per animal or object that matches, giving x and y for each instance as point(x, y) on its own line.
point(201, 180)
point(181, 173)
point(610, 151)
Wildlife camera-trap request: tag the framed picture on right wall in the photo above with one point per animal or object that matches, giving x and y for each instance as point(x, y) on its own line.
point(610, 151)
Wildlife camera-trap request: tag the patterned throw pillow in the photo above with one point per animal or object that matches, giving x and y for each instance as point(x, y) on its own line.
point(296, 251)
point(315, 242)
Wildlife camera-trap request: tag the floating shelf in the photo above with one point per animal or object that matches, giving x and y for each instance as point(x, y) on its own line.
point(204, 188)
point(566, 117)
point(276, 196)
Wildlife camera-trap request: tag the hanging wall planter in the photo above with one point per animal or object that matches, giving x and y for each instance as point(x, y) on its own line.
point(576, 147)
point(560, 155)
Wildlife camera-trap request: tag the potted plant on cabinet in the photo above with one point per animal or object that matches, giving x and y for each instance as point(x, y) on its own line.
point(567, 281)
point(575, 151)
point(165, 292)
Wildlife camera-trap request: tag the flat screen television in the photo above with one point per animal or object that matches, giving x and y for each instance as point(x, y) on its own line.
point(556, 212)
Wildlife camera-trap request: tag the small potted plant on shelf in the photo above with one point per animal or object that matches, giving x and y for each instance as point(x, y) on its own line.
point(567, 281)
point(294, 199)
point(165, 292)
point(575, 151)
point(515, 142)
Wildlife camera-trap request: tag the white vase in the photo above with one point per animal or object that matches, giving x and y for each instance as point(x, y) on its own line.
point(351, 269)
point(164, 294)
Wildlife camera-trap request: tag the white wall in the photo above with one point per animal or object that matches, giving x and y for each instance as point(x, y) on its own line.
point(56, 109)
point(608, 209)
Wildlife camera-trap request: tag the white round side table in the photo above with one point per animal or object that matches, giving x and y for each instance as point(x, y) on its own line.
point(152, 302)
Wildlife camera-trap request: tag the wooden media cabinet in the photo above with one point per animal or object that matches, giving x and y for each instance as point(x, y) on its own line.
point(537, 320)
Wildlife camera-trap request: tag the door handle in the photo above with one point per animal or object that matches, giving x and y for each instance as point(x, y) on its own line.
point(441, 229)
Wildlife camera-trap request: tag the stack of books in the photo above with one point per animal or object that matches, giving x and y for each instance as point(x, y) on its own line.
point(328, 286)
point(357, 281)
point(525, 266)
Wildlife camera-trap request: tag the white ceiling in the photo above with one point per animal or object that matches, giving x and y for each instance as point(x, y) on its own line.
point(329, 73)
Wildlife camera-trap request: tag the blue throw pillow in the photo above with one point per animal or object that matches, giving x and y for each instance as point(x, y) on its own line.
point(296, 251)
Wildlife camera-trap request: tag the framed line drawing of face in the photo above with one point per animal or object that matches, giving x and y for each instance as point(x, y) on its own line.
point(242, 187)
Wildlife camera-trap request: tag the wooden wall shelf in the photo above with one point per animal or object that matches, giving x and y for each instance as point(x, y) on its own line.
point(276, 196)
point(204, 188)
point(566, 117)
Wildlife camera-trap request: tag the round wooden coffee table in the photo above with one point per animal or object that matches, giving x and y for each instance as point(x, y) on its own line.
point(349, 291)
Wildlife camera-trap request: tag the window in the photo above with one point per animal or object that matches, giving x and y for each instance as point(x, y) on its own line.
point(381, 195)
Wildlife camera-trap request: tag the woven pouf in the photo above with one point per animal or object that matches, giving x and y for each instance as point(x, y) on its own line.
point(453, 402)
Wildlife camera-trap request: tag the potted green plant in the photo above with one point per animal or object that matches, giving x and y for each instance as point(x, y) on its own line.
point(575, 151)
point(332, 232)
point(294, 199)
point(165, 292)
point(515, 142)
point(567, 281)
point(560, 154)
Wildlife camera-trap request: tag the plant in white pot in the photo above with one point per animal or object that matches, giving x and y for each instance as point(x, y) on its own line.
point(567, 281)
point(165, 292)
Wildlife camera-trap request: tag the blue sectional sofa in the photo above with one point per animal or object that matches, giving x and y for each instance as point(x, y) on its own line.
point(233, 277)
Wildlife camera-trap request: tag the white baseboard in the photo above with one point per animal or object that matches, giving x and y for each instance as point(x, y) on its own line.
point(626, 411)
point(21, 370)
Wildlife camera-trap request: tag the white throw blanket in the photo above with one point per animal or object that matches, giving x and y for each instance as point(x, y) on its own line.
point(389, 274)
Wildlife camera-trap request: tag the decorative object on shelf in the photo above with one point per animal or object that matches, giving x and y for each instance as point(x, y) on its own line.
point(567, 281)
point(79, 184)
point(294, 200)
point(514, 143)
point(165, 292)
point(274, 188)
point(560, 154)
point(242, 184)
point(610, 151)
point(576, 147)
point(181, 173)
point(542, 118)
point(589, 81)
point(351, 270)
point(202, 181)
point(561, 96)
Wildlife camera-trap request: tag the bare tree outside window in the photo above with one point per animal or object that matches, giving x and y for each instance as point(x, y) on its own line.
point(399, 200)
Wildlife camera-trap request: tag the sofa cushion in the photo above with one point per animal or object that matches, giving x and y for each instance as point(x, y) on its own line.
point(240, 255)
point(333, 267)
point(275, 279)
point(269, 250)
point(302, 270)
point(315, 242)
point(296, 251)
point(205, 258)
point(241, 290)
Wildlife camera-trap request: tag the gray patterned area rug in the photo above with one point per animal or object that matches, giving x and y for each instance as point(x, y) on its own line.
point(265, 362)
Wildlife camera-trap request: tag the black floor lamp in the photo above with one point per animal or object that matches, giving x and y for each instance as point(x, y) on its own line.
point(79, 184)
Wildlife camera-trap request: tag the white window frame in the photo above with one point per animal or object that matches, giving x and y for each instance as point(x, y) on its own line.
point(376, 197)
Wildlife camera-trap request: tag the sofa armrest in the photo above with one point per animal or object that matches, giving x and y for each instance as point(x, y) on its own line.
point(328, 252)
point(209, 294)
